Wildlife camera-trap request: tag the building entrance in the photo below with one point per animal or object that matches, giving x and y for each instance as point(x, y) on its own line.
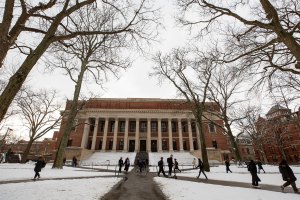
point(142, 145)
point(153, 145)
point(131, 145)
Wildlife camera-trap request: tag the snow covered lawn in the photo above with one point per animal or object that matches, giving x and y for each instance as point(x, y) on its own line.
point(25, 171)
point(271, 177)
point(184, 190)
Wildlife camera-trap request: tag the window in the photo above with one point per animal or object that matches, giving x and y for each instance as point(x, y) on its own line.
point(153, 126)
point(164, 145)
point(110, 145)
point(184, 127)
point(132, 126)
point(175, 145)
point(248, 151)
point(122, 126)
point(75, 124)
point(193, 127)
point(121, 145)
point(211, 127)
point(101, 126)
point(69, 143)
point(143, 127)
point(215, 144)
point(112, 126)
point(164, 127)
point(184, 145)
point(174, 127)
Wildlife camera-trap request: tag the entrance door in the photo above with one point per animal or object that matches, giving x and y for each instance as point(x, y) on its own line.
point(153, 145)
point(131, 145)
point(142, 145)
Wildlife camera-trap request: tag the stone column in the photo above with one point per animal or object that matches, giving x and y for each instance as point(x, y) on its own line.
point(159, 142)
point(115, 134)
point(170, 135)
point(95, 134)
point(85, 134)
point(148, 144)
point(180, 135)
point(126, 135)
point(190, 135)
point(105, 134)
point(137, 134)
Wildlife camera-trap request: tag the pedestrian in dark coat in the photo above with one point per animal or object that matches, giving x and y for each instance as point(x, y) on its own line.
point(161, 167)
point(201, 168)
point(40, 163)
point(176, 166)
point(127, 164)
point(253, 171)
point(74, 161)
point(227, 164)
point(259, 166)
point(142, 165)
point(288, 176)
point(121, 163)
point(170, 164)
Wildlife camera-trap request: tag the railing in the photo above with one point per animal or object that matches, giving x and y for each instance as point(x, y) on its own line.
point(105, 163)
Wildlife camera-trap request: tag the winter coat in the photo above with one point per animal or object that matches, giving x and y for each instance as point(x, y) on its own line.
point(227, 163)
point(200, 164)
point(121, 163)
point(259, 165)
point(160, 163)
point(252, 168)
point(287, 173)
point(170, 161)
point(39, 165)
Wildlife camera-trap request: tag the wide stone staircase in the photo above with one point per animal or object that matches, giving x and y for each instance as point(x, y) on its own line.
point(141, 156)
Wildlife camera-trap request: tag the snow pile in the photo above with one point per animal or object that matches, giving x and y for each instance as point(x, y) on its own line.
point(108, 158)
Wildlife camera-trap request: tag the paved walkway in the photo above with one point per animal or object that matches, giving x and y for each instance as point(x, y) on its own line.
point(136, 187)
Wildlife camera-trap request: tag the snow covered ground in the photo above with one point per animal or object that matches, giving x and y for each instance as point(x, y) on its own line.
point(94, 188)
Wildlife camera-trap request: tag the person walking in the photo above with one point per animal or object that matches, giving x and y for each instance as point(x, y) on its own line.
point(161, 167)
point(121, 163)
point(170, 164)
point(227, 164)
point(288, 176)
point(127, 164)
point(176, 166)
point(74, 161)
point(253, 171)
point(201, 168)
point(40, 163)
point(259, 166)
point(194, 163)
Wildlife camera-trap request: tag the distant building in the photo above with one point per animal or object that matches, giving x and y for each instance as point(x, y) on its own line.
point(136, 124)
point(245, 146)
point(280, 135)
point(43, 148)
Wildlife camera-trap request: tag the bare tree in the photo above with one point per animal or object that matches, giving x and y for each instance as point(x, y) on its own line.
point(260, 35)
point(40, 113)
point(89, 58)
point(253, 125)
point(178, 67)
point(54, 21)
point(225, 89)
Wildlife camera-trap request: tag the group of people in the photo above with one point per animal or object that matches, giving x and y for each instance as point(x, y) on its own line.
point(173, 165)
point(125, 163)
point(284, 169)
point(255, 167)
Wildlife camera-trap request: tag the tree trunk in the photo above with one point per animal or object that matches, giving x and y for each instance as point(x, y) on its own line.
point(58, 162)
point(233, 143)
point(27, 150)
point(198, 117)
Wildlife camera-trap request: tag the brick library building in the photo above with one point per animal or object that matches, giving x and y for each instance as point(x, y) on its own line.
point(137, 124)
